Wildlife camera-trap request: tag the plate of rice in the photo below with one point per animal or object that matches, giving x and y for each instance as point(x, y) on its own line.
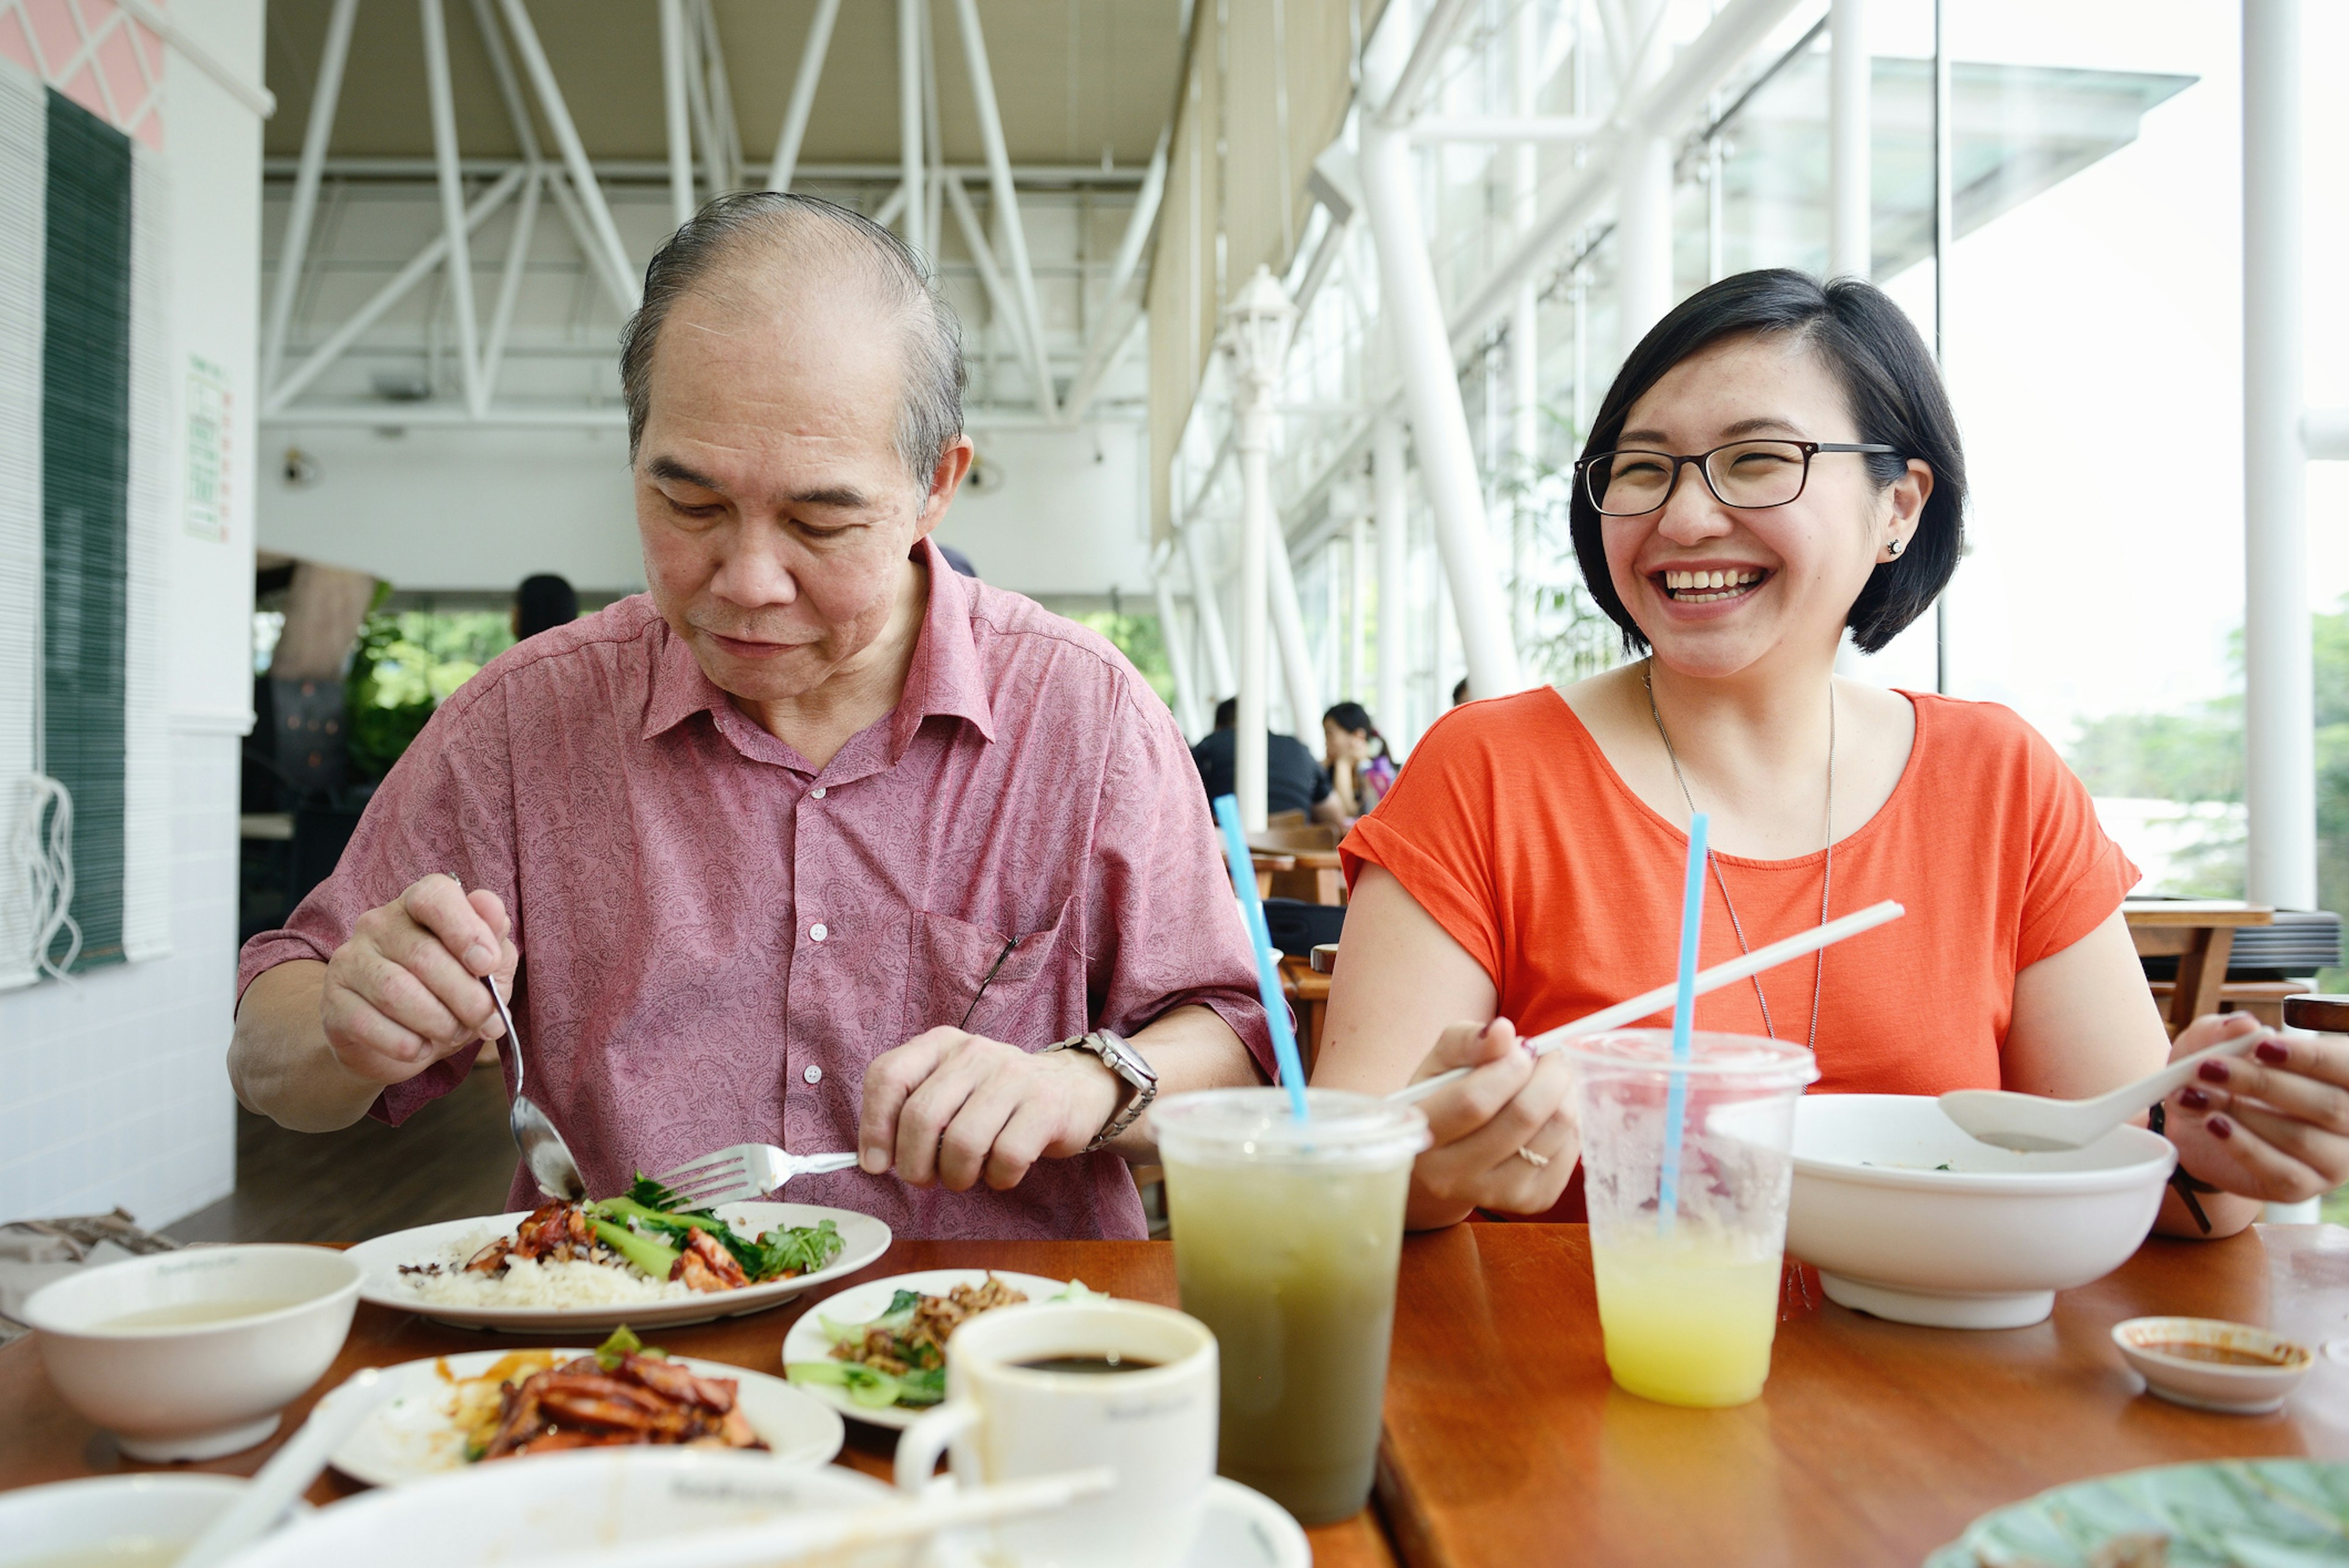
point(434, 1270)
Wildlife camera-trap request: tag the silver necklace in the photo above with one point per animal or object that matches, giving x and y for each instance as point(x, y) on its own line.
point(1827, 882)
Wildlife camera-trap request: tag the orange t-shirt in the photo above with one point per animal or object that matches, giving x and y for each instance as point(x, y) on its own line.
point(1510, 828)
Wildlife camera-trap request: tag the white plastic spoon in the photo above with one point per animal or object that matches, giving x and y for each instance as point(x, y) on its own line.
point(2032, 1124)
point(290, 1470)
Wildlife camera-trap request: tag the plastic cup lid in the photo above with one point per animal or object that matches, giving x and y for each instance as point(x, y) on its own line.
point(1256, 1124)
point(1754, 1059)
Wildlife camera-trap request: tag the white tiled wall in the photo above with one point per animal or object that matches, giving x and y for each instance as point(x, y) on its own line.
point(114, 1089)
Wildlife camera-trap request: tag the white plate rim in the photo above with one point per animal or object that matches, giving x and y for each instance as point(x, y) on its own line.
point(423, 1375)
point(1292, 1548)
point(805, 1336)
point(381, 1256)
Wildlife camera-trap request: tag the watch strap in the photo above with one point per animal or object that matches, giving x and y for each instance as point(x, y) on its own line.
point(1114, 1054)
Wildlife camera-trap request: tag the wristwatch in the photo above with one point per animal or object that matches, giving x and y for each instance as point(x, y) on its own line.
point(1128, 1065)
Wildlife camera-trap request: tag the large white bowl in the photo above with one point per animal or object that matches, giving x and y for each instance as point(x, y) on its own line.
point(112, 1518)
point(200, 1390)
point(1906, 1217)
point(588, 1500)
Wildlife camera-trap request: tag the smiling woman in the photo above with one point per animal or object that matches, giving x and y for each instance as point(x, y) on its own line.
point(1775, 465)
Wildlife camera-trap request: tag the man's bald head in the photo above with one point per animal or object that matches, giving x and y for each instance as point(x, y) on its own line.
point(739, 249)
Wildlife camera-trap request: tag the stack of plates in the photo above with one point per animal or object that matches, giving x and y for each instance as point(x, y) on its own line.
point(2302, 941)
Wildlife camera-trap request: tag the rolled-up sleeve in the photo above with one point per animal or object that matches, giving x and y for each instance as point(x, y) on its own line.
point(1164, 930)
point(447, 806)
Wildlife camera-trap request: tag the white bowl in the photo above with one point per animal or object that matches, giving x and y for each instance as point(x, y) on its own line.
point(112, 1518)
point(586, 1501)
point(195, 1390)
point(1908, 1217)
point(2151, 1345)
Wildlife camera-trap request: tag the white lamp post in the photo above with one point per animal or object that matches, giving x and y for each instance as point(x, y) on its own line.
point(1255, 336)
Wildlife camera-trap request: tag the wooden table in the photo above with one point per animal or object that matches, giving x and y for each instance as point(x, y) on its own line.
point(1309, 989)
point(1874, 1443)
point(41, 1440)
point(2200, 933)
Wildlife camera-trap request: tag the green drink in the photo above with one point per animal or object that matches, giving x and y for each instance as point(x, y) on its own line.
point(1286, 1242)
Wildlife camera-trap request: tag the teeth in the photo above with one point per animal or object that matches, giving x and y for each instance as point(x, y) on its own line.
point(1710, 583)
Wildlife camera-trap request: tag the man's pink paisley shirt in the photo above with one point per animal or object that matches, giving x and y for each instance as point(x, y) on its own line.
point(717, 937)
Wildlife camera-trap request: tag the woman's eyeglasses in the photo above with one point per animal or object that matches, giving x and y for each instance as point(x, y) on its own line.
point(1747, 475)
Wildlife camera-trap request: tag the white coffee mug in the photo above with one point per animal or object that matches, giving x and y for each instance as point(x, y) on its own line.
point(1155, 1425)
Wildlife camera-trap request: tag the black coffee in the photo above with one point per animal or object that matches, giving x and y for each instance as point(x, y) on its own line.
point(1088, 1363)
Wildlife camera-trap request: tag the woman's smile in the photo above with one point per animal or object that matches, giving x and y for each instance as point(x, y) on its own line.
point(1713, 586)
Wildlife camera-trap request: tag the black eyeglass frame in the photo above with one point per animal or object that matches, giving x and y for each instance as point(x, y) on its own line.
point(1704, 459)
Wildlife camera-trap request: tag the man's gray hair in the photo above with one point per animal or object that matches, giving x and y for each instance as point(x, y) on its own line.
point(748, 223)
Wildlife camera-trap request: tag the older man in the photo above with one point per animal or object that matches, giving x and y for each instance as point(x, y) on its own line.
point(816, 844)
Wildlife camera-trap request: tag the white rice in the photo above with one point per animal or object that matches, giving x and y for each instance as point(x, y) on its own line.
point(535, 1283)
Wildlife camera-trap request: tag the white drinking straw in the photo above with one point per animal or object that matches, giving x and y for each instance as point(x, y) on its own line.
point(1713, 979)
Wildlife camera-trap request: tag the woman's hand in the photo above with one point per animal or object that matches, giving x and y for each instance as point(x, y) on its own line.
point(1512, 1101)
point(2272, 1124)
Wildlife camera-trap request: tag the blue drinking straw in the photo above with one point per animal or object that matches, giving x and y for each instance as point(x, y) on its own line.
point(1267, 969)
point(1668, 1194)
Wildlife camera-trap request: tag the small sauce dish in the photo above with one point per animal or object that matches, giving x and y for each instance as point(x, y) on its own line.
point(2207, 1364)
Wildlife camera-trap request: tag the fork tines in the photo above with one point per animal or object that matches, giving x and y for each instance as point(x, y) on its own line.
point(706, 1175)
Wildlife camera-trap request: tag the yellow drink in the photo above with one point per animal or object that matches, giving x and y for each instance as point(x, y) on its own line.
point(1688, 1319)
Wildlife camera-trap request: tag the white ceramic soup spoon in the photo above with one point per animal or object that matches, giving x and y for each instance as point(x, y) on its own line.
point(2032, 1124)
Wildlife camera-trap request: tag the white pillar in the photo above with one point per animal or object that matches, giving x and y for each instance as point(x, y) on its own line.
point(675, 65)
point(1850, 225)
point(1447, 455)
point(1256, 534)
point(1178, 658)
point(802, 100)
point(1357, 592)
point(2279, 701)
point(1393, 497)
point(1208, 611)
point(295, 252)
point(909, 122)
point(1644, 197)
point(1289, 627)
point(1525, 321)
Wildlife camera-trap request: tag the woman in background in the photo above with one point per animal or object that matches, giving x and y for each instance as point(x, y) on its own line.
point(1355, 754)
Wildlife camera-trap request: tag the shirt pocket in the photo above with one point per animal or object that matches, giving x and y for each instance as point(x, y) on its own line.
point(1025, 988)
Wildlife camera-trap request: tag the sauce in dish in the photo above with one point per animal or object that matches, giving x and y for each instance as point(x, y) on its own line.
point(2220, 1355)
point(133, 1551)
point(193, 1314)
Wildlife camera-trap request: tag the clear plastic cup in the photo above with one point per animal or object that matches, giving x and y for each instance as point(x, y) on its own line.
point(1688, 1301)
point(1286, 1237)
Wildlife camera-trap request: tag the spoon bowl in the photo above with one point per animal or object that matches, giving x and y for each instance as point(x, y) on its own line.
point(542, 1148)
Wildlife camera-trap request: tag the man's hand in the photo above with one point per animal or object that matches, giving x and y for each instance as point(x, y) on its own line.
point(406, 989)
point(950, 1107)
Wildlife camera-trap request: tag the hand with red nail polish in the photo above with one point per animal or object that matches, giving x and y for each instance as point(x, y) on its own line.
point(2272, 1124)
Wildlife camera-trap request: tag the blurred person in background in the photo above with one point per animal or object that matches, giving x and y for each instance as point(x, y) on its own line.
point(1293, 781)
point(542, 603)
point(1360, 768)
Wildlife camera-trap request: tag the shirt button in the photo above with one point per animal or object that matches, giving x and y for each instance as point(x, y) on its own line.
point(814, 1075)
point(816, 932)
point(817, 792)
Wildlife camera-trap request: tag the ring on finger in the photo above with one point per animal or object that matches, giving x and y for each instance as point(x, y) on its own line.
point(1531, 1158)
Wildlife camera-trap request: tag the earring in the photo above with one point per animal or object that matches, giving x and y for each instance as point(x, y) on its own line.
point(1894, 546)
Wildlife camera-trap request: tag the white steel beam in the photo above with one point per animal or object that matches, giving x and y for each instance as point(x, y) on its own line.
point(933, 137)
point(494, 41)
point(295, 253)
point(1389, 487)
point(1400, 101)
point(574, 151)
point(2279, 695)
point(910, 123)
point(1298, 676)
point(1117, 322)
point(990, 278)
point(725, 150)
point(803, 103)
point(1178, 657)
point(1850, 230)
point(260, 99)
point(419, 266)
point(460, 266)
point(674, 68)
point(583, 234)
point(1006, 202)
point(1358, 589)
point(518, 243)
point(2326, 434)
point(373, 415)
point(1208, 610)
point(1524, 126)
point(892, 209)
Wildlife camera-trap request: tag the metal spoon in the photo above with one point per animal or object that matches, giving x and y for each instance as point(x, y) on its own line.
point(2031, 1124)
point(542, 1148)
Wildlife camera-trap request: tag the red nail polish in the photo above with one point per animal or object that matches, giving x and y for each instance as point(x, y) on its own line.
point(2194, 1099)
point(2213, 1072)
point(2272, 1052)
point(2220, 1127)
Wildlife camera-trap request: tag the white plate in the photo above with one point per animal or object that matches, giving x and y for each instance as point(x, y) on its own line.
point(863, 1303)
point(865, 1237)
point(411, 1436)
point(1245, 1529)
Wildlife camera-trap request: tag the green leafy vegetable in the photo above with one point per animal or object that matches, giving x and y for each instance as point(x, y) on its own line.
point(655, 1257)
point(867, 1385)
point(651, 1214)
point(805, 1249)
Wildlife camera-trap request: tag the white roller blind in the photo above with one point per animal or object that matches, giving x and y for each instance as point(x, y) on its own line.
point(24, 180)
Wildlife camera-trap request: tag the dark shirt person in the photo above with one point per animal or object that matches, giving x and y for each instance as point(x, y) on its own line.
point(1293, 781)
point(542, 603)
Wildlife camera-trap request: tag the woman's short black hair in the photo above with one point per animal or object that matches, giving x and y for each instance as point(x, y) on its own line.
point(1897, 400)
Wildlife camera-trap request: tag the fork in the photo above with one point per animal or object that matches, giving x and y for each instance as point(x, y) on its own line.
point(745, 1171)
